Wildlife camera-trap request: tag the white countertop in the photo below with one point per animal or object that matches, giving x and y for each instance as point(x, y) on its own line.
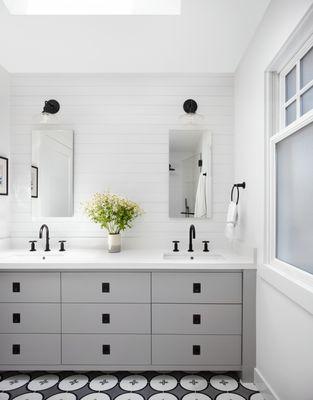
point(95, 259)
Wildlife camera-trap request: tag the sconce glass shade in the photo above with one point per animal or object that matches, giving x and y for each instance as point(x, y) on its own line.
point(46, 119)
point(191, 119)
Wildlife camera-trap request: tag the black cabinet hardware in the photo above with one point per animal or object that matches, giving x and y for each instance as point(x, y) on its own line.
point(175, 245)
point(196, 319)
point(106, 349)
point(197, 288)
point(105, 287)
point(62, 247)
point(196, 350)
point(105, 318)
point(16, 318)
point(16, 287)
point(32, 245)
point(205, 247)
point(16, 349)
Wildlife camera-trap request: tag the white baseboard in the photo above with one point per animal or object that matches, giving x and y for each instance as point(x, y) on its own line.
point(264, 387)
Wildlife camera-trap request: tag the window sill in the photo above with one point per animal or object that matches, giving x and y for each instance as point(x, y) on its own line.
point(292, 282)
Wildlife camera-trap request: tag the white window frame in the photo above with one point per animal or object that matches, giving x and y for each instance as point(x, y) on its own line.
point(294, 62)
point(276, 132)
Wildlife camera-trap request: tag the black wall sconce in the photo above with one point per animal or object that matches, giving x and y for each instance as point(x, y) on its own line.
point(190, 106)
point(191, 116)
point(51, 107)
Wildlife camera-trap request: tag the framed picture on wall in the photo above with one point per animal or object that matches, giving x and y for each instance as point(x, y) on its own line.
point(4, 176)
point(34, 182)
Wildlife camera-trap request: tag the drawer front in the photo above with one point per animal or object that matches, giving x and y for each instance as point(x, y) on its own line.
point(220, 287)
point(106, 349)
point(30, 318)
point(196, 350)
point(106, 318)
point(196, 319)
point(30, 287)
point(106, 287)
point(30, 349)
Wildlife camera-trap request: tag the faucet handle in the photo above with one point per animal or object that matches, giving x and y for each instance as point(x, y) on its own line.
point(32, 245)
point(205, 247)
point(175, 245)
point(62, 248)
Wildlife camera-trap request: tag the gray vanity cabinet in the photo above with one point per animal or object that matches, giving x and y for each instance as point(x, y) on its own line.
point(127, 320)
point(30, 318)
point(196, 318)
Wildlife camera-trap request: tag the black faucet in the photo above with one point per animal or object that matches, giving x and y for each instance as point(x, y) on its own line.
point(192, 235)
point(44, 226)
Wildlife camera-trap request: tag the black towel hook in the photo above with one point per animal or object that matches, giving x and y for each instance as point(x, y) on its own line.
point(237, 186)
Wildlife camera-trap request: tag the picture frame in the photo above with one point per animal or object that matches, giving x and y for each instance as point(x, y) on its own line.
point(4, 176)
point(34, 182)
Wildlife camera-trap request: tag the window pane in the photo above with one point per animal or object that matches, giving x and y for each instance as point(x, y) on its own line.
point(291, 113)
point(290, 82)
point(306, 70)
point(294, 213)
point(307, 101)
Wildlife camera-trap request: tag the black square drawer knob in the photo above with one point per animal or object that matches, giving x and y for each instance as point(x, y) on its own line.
point(197, 287)
point(105, 287)
point(105, 318)
point(16, 287)
point(106, 349)
point(16, 318)
point(196, 319)
point(16, 349)
point(196, 350)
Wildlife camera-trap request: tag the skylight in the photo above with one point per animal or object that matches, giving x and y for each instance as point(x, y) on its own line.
point(93, 7)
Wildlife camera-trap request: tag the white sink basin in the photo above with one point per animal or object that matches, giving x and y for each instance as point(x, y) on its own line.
point(193, 256)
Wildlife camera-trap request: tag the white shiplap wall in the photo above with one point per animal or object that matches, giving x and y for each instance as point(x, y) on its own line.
point(4, 151)
point(121, 125)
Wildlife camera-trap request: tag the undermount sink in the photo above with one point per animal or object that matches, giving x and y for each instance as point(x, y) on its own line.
point(192, 256)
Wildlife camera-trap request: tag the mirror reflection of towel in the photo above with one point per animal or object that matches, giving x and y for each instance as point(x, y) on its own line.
point(200, 206)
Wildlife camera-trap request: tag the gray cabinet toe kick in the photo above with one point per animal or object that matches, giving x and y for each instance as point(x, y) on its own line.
point(128, 320)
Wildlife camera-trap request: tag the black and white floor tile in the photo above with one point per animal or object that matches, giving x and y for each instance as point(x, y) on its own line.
point(125, 386)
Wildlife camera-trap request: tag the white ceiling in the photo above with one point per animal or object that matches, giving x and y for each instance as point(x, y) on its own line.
point(209, 36)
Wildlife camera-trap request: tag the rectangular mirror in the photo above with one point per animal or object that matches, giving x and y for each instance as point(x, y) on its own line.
point(52, 173)
point(190, 189)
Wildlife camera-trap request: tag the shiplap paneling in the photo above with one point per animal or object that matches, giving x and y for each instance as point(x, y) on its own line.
point(121, 125)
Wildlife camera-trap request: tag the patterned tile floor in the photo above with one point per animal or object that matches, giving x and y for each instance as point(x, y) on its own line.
point(125, 386)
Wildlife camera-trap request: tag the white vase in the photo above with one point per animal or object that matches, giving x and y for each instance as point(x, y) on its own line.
point(114, 242)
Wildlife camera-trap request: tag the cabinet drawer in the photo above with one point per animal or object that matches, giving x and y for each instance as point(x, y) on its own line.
point(106, 318)
point(196, 319)
point(30, 318)
point(30, 349)
point(29, 287)
point(220, 287)
point(106, 349)
point(196, 350)
point(106, 287)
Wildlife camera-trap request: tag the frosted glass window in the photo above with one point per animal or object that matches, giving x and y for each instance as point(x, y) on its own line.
point(306, 68)
point(290, 84)
point(307, 101)
point(294, 196)
point(291, 113)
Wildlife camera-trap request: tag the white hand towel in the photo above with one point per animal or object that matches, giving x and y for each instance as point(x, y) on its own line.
point(231, 221)
point(200, 206)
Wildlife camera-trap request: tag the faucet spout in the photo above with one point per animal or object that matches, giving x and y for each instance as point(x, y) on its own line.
point(42, 228)
point(192, 235)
